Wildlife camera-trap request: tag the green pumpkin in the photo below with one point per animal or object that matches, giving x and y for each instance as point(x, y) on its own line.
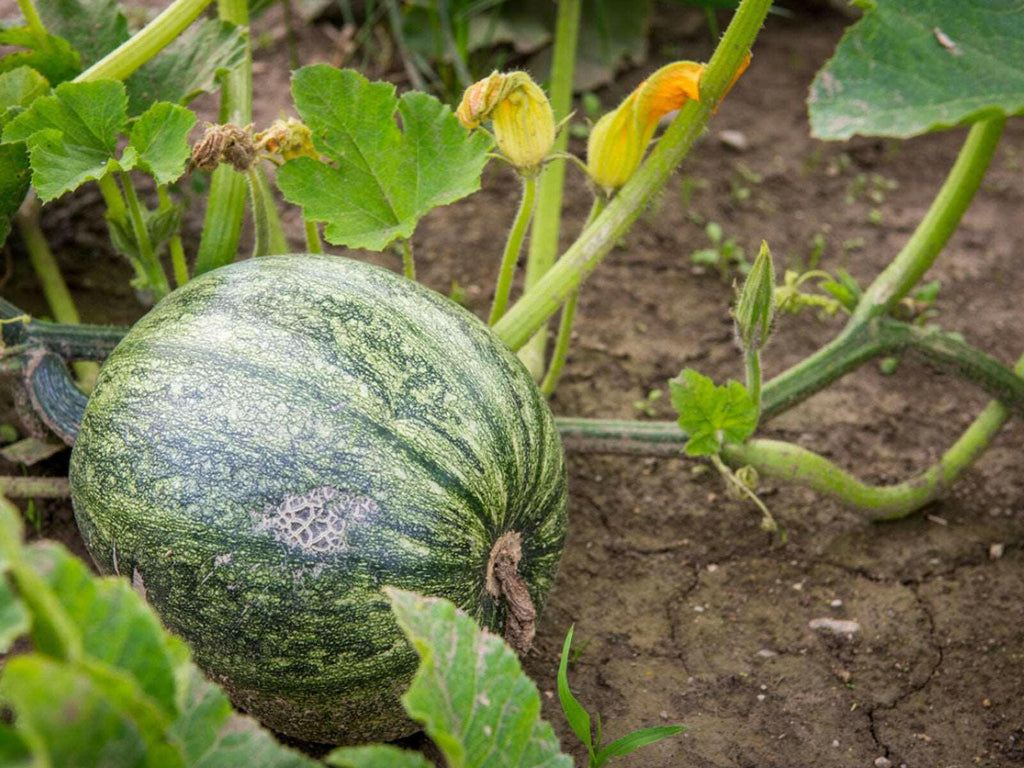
point(281, 438)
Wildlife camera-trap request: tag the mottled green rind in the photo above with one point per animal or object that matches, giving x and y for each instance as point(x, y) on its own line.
point(272, 378)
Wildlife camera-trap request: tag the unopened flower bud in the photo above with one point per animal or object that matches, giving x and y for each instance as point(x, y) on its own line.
point(755, 309)
point(619, 139)
point(524, 125)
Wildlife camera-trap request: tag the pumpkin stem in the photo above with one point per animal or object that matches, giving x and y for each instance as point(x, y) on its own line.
point(503, 580)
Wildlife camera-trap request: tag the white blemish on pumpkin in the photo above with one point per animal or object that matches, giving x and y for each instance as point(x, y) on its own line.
point(224, 559)
point(317, 521)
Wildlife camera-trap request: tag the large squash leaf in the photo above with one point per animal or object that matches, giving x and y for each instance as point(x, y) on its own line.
point(384, 178)
point(470, 693)
point(912, 66)
point(106, 684)
point(72, 136)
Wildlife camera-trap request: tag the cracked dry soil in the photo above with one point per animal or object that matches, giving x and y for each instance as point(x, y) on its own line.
point(685, 612)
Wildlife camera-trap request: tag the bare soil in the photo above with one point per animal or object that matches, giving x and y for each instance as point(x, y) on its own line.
point(685, 612)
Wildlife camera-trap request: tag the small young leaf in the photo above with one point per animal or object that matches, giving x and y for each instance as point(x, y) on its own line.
point(14, 619)
point(52, 56)
point(575, 714)
point(711, 415)
point(72, 135)
point(376, 756)
point(93, 27)
point(910, 67)
point(469, 692)
point(385, 179)
point(160, 139)
point(187, 67)
point(634, 741)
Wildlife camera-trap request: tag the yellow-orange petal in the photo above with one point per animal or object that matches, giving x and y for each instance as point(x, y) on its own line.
point(668, 89)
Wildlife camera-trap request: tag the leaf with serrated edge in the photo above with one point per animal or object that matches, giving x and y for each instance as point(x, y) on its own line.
point(469, 691)
point(93, 27)
point(385, 179)
point(51, 56)
point(187, 67)
point(711, 415)
point(160, 139)
point(912, 66)
point(376, 756)
point(72, 135)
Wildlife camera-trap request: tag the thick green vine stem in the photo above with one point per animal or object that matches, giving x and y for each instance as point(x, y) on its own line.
point(551, 291)
point(225, 205)
point(156, 278)
point(28, 10)
point(147, 43)
point(513, 246)
point(58, 297)
point(789, 462)
point(938, 224)
point(565, 322)
point(408, 261)
point(548, 217)
point(268, 235)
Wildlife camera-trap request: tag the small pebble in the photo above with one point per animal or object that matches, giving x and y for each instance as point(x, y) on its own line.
point(698, 608)
point(995, 551)
point(734, 140)
point(883, 762)
point(835, 626)
point(712, 567)
point(835, 743)
point(663, 714)
point(767, 654)
point(836, 603)
point(760, 697)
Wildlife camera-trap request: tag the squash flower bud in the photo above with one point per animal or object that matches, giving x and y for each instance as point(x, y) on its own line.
point(619, 139)
point(754, 314)
point(524, 125)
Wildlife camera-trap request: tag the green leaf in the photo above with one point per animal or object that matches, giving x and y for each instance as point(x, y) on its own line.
point(575, 714)
point(187, 67)
point(377, 756)
point(14, 184)
point(93, 27)
point(52, 56)
point(64, 710)
point(14, 619)
point(160, 139)
point(213, 735)
point(469, 692)
point(912, 66)
point(635, 740)
point(72, 135)
point(711, 415)
point(117, 626)
point(19, 88)
point(385, 179)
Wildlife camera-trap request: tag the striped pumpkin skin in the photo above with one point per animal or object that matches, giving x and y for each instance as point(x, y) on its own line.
point(281, 438)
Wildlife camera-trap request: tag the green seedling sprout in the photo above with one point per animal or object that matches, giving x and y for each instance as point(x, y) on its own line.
point(580, 722)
